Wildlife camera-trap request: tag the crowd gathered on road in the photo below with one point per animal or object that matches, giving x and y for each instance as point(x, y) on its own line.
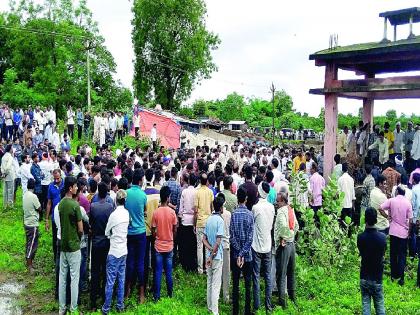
point(123, 219)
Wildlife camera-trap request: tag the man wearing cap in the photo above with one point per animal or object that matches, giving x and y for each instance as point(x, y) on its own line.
point(263, 213)
point(399, 136)
point(116, 230)
point(400, 215)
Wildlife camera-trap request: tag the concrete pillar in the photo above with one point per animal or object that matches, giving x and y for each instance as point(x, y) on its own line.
point(331, 123)
point(411, 35)
point(368, 105)
point(385, 39)
point(395, 33)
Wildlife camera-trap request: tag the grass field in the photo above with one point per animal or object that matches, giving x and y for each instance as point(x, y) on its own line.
point(321, 290)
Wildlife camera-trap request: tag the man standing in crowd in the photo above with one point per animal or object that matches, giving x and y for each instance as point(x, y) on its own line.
point(346, 185)
point(116, 230)
point(389, 135)
point(70, 256)
point(153, 137)
point(317, 184)
point(377, 198)
point(53, 198)
point(80, 121)
point(399, 136)
point(250, 187)
point(285, 229)
point(98, 219)
point(263, 213)
point(203, 206)
point(164, 225)
point(241, 236)
point(372, 246)
point(8, 172)
point(400, 216)
point(187, 239)
point(70, 122)
point(212, 239)
point(31, 208)
point(136, 239)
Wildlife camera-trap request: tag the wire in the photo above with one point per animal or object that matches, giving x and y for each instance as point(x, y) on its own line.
point(67, 35)
point(23, 29)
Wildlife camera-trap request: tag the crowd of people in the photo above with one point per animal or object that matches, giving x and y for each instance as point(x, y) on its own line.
point(124, 217)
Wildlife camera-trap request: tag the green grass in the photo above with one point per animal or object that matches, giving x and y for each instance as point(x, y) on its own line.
point(319, 291)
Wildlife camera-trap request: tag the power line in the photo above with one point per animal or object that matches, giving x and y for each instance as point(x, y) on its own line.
point(24, 29)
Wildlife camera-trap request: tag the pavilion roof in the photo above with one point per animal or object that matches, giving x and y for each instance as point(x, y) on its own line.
point(400, 17)
point(375, 57)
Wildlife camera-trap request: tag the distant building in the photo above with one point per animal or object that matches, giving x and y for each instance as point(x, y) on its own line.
point(237, 125)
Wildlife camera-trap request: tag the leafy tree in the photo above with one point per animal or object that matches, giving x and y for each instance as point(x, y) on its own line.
point(46, 47)
point(391, 115)
point(231, 108)
point(172, 49)
point(200, 108)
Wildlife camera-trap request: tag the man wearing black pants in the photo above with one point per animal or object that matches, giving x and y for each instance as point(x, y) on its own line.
point(98, 219)
point(241, 233)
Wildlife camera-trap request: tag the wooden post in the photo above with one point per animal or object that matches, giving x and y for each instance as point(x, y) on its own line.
point(331, 115)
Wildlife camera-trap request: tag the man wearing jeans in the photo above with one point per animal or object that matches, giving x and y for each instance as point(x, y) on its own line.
point(213, 234)
point(263, 213)
point(116, 230)
point(70, 256)
point(136, 239)
point(372, 246)
point(164, 224)
point(241, 233)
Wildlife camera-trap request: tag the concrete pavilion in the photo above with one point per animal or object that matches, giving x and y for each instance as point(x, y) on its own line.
point(369, 59)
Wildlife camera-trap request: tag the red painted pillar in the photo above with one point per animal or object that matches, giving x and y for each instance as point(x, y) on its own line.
point(368, 107)
point(331, 123)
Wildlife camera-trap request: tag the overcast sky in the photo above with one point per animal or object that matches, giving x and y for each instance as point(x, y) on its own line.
point(267, 41)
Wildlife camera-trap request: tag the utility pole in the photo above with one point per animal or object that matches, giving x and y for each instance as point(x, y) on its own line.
point(88, 74)
point(273, 90)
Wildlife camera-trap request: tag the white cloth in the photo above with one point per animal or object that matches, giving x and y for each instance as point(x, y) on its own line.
point(263, 213)
point(116, 229)
point(346, 185)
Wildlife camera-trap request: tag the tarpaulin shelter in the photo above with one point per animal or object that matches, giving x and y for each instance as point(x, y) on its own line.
point(168, 131)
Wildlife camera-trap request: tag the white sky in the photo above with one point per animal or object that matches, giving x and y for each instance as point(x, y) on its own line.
point(267, 41)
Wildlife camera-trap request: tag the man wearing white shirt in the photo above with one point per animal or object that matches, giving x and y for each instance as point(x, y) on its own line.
point(153, 136)
point(116, 230)
point(275, 169)
point(263, 213)
point(346, 185)
point(25, 172)
point(45, 167)
point(113, 124)
point(70, 122)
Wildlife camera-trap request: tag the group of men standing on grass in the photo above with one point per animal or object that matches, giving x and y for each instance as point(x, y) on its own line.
point(223, 211)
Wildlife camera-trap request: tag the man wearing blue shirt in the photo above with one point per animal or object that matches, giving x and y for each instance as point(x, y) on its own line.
point(213, 233)
point(416, 219)
point(17, 117)
point(136, 239)
point(241, 235)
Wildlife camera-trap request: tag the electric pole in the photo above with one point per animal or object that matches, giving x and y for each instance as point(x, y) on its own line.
point(273, 90)
point(88, 74)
